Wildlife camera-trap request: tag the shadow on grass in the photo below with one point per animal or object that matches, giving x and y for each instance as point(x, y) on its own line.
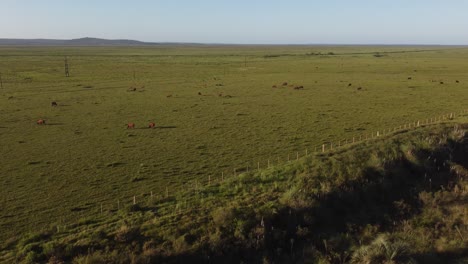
point(379, 198)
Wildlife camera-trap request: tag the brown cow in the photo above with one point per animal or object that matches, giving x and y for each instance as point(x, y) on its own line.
point(285, 84)
point(41, 122)
point(130, 125)
point(151, 125)
point(54, 103)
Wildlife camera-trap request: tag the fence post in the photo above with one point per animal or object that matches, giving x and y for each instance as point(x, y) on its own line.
point(323, 148)
point(134, 199)
point(222, 176)
point(297, 155)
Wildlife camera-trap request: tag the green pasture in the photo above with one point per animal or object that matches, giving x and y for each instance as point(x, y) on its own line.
point(85, 156)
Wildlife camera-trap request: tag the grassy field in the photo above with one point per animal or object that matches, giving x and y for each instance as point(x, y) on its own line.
point(85, 156)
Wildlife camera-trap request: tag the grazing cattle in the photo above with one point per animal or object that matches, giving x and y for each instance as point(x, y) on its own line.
point(168, 96)
point(54, 104)
point(151, 125)
point(359, 88)
point(410, 78)
point(274, 86)
point(350, 84)
point(299, 87)
point(220, 94)
point(285, 84)
point(457, 81)
point(130, 125)
point(199, 93)
point(441, 82)
point(41, 122)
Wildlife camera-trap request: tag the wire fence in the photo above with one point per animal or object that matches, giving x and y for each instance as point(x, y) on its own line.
point(171, 203)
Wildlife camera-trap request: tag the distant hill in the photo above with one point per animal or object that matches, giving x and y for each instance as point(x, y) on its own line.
point(76, 42)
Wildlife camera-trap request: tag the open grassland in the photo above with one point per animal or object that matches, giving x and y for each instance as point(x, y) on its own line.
point(400, 198)
point(85, 156)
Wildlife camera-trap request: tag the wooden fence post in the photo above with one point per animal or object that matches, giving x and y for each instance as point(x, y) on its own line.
point(323, 148)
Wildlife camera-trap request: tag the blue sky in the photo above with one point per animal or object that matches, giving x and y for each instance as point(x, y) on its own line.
point(241, 21)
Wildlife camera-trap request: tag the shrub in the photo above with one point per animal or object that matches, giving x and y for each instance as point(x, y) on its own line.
point(126, 234)
point(383, 249)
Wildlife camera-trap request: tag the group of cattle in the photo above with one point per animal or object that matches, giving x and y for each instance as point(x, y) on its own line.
point(132, 125)
point(42, 121)
point(129, 125)
point(440, 82)
point(285, 84)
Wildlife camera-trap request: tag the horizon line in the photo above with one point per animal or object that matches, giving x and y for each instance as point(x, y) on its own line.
point(143, 43)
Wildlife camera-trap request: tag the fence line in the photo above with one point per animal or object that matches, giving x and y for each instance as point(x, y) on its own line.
point(195, 187)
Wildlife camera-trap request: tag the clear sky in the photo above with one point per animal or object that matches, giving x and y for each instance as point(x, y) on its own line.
point(241, 21)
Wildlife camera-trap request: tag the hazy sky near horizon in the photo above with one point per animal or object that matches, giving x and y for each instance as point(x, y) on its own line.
point(241, 21)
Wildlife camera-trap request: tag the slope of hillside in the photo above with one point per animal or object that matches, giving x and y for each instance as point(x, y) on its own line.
point(400, 199)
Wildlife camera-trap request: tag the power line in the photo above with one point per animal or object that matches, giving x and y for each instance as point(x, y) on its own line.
point(67, 72)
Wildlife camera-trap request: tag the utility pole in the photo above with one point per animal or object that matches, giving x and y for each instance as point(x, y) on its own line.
point(67, 72)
